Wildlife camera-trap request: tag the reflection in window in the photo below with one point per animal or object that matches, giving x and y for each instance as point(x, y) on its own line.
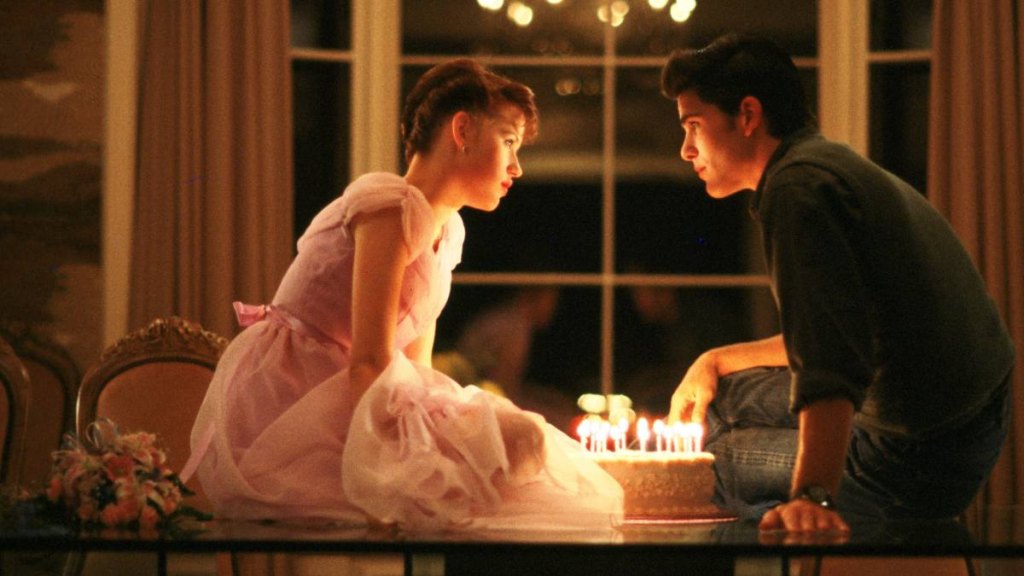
point(564, 350)
point(660, 331)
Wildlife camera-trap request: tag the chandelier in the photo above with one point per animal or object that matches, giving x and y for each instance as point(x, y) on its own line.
point(611, 12)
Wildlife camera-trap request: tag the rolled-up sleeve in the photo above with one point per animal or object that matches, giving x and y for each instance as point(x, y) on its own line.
point(811, 232)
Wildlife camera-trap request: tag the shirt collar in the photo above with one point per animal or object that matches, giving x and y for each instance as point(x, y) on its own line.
point(784, 146)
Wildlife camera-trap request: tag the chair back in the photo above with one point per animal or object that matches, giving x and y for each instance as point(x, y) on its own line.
point(14, 398)
point(53, 378)
point(154, 380)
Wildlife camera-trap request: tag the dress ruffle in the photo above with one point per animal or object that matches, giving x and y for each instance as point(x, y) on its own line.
point(425, 452)
point(379, 191)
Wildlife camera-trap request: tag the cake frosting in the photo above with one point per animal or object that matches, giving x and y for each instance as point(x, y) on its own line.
point(663, 484)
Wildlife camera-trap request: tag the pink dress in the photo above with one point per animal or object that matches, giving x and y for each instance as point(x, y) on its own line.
point(277, 437)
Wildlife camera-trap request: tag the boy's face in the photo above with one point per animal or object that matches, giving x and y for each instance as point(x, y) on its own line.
point(715, 143)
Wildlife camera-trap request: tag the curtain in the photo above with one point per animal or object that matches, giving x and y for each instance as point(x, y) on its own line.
point(976, 153)
point(213, 213)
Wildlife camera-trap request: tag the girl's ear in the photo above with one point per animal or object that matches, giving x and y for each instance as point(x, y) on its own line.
point(751, 115)
point(461, 129)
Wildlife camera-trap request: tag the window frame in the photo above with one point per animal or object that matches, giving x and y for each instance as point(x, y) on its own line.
point(842, 64)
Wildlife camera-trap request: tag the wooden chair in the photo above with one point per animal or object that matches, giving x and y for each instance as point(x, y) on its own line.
point(153, 379)
point(14, 399)
point(53, 379)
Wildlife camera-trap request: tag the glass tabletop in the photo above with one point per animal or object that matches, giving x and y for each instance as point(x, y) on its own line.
point(1001, 536)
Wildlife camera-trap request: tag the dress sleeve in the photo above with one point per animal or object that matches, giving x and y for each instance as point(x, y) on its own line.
point(811, 233)
point(380, 190)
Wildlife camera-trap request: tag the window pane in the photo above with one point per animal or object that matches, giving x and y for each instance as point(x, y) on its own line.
point(321, 130)
point(648, 135)
point(660, 331)
point(671, 227)
point(564, 344)
point(905, 25)
point(325, 24)
point(899, 120)
point(446, 27)
point(570, 100)
point(540, 227)
point(647, 31)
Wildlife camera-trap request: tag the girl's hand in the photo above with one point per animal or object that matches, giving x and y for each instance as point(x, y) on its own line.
point(523, 436)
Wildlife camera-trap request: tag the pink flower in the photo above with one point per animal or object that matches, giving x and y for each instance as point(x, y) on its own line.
point(86, 512)
point(118, 466)
point(148, 518)
point(123, 512)
point(54, 489)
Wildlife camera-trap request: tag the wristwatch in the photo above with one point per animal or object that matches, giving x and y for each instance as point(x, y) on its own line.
point(816, 494)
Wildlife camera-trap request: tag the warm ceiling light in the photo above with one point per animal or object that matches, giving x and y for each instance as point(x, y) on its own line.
point(609, 12)
point(520, 13)
point(681, 10)
point(615, 13)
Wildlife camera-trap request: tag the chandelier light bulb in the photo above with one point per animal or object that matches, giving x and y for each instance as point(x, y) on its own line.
point(615, 13)
point(492, 5)
point(658, 4)
point(681, 10)
point(520, 13)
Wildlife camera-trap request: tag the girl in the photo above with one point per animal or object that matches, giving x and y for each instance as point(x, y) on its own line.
point(327, 405)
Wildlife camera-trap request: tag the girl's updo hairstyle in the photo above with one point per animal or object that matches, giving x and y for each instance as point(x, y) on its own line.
point(459, 85)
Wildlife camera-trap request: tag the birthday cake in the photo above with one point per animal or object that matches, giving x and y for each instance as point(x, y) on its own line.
point(663, 484)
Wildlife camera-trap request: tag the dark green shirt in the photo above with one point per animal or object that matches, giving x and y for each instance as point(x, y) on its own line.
point(878, 300)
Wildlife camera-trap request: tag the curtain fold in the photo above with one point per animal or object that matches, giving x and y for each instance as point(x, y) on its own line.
point(976, 151)
point(213, 218)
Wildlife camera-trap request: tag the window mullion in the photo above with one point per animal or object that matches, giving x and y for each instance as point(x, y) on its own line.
point(376, 71)
point(843, 33)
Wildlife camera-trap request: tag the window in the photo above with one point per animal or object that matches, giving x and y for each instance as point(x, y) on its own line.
point(899, 86)
point(649, 270)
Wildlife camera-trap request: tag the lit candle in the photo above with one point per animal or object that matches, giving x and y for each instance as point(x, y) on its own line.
point(616, 434)
point(697, 433)
point(603, 432)
point(678, 433)
point(623, 432)
point(659, 435)
point(583, 431)
point(643, 432)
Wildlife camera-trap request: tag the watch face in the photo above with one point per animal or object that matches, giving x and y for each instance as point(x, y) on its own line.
point(817, 494)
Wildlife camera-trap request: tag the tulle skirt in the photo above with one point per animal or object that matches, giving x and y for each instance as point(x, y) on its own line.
point(418, 449)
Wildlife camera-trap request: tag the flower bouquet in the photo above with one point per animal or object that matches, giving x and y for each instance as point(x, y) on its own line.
point(116, 481)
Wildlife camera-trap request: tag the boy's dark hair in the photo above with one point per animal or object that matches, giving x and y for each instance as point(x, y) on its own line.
point(736, 66)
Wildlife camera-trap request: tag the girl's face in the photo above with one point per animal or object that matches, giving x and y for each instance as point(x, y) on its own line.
point(492, 148)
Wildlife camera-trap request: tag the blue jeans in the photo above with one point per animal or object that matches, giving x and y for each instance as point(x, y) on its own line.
point(753, 435)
